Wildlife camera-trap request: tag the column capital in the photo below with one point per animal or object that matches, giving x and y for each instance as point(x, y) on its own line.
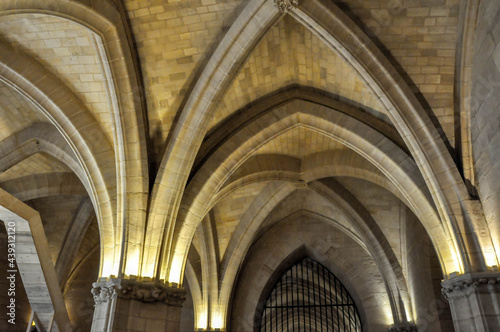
point(467, 283)
point(404, 327)
point(286, 6)
point(143, 291)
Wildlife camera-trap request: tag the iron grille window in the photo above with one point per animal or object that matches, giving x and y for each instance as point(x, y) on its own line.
point(309, 298)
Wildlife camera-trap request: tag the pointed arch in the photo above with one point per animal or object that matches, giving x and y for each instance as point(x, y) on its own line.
point(365, 231)
point(324, 301)
point(310, 168)
point(440, 172)
point(325, 19)
point(191, 127)
point(40, 137)
point(128, 178)
point(391, 161)
point(274, 248)
point(93, 151)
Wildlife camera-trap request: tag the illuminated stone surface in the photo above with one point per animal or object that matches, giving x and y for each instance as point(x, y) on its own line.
point(199, 148)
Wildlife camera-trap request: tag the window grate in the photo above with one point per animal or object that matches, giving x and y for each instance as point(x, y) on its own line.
point(309, 298)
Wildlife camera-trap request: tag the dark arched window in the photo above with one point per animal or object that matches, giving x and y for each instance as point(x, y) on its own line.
point(308, 297)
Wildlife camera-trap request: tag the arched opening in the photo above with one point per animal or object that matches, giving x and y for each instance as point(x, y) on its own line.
point(308, 297)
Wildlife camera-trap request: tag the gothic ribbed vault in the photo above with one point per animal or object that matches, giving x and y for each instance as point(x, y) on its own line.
point(167, 162)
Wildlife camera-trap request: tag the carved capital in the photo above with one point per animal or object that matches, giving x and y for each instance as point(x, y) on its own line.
point(404, 327)
point(139, 291)
point(286, 6)
point(103, 293)
point(466, 284)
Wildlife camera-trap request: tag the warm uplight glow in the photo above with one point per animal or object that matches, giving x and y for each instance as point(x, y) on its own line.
point(202, 320)
point(409, 315)
point(452, 264)
point(132, 264)
point(148, 264)
point(175, 270)
point(108, 263)
point(459, 264)
point(147, 270)
point(389, 319)
point(490, 258)
point(217, 321)
point(107, 271)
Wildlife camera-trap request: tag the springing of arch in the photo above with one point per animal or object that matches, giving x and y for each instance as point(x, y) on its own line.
point(310, 298)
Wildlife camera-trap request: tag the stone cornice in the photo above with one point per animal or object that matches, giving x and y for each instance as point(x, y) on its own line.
point(470, 282)
point(286, 6)
point(139, 291)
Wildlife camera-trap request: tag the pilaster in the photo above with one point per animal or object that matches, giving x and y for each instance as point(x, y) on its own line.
point(131, 305)
point(474, 301)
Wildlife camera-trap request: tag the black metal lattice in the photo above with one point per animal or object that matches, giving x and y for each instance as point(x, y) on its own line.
point(309, 298)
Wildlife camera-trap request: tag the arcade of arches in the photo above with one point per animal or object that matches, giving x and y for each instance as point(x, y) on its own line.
point(164, 163)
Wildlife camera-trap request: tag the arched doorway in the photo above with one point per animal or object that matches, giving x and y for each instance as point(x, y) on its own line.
point(308, 297)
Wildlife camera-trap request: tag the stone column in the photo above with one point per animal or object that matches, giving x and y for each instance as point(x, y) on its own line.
point(130, 305)
point(474, 301)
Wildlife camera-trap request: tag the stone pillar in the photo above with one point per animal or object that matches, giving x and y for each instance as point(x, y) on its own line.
point(474, 301)
point(128, 305)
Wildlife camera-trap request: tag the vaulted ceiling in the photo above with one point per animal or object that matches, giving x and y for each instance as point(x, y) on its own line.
point(206, 124)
